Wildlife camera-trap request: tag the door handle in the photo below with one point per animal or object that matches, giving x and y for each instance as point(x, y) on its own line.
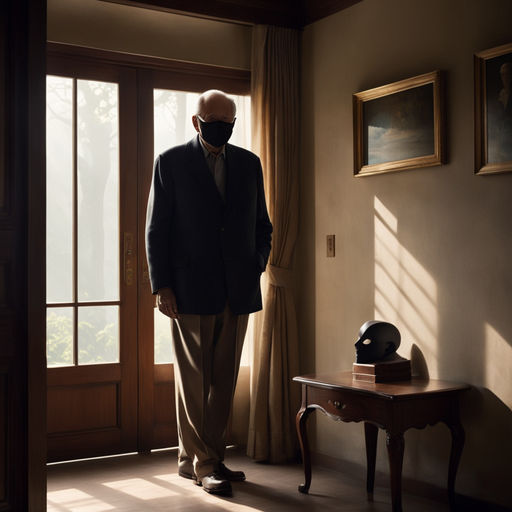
point(145, 273)
point(129, 257)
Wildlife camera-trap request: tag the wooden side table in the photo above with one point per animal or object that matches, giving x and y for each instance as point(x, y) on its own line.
point(394, 407)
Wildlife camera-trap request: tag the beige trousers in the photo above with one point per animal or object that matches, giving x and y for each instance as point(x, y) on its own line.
point(207, 350)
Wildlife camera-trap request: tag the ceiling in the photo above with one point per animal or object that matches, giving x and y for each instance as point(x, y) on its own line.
point(286, 13)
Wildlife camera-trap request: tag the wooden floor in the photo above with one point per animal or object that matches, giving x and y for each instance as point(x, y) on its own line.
point(151, 483)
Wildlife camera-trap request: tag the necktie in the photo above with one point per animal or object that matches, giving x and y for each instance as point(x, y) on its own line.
point(215, 163)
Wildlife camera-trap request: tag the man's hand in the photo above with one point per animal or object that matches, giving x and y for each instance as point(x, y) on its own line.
point(166, 302)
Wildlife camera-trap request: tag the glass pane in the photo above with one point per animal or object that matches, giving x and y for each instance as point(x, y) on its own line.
point(98, 334)
point(98, 191)
point(59, 189)
point(163, 341)
point(59, 337)
point(242, 130)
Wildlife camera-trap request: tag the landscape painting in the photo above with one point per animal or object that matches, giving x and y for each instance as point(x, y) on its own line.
point(398, 126)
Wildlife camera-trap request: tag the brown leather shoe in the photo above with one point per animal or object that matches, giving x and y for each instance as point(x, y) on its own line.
point(214, 483)
point(232, 476)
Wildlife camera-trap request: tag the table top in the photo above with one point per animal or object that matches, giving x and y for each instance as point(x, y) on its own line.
point(391, 390)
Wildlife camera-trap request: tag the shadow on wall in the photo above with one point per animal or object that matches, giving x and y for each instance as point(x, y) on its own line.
point(488, 448)
point(443, 342)
point(304, 258)
point(419, 367)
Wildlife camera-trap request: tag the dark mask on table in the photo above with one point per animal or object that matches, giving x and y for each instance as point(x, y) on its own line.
point(216, 133)
point(378, 341)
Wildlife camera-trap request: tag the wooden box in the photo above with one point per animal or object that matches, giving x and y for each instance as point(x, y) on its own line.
point(388, 371)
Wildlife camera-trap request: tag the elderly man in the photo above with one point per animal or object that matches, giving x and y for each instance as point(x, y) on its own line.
point(208, 240)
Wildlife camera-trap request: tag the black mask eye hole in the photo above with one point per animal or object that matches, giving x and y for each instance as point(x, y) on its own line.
point(367, 341)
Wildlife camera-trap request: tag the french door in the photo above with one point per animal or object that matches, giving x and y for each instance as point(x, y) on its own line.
point(91, 260)
point(110, 371)
point(169, 110)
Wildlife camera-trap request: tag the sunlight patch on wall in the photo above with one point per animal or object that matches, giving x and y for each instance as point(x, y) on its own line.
point(140, 488)
point(76, 501)
point(405, 293)
point(498, 365)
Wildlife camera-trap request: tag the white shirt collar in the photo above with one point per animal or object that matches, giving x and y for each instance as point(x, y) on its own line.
point(207, 153)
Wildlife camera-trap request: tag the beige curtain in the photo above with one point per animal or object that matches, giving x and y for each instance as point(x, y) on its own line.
point(275, 115)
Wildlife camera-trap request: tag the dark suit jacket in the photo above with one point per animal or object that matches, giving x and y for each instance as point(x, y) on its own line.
point(208, 250)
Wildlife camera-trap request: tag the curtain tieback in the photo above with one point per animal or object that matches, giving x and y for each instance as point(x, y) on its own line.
point(280, 277)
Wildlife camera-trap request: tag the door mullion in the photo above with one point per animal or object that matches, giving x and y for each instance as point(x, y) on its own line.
point(75, 223)
point(145, 300)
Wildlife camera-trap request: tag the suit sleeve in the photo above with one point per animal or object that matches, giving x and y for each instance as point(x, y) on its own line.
point(263, 224)
point(158, 230)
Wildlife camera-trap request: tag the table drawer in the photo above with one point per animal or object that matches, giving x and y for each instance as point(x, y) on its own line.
point(347, 406)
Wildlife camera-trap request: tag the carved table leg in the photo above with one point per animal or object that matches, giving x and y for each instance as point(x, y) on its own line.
point(301, 419)
point(458, 437)
point(395, 445)
point(370, 435)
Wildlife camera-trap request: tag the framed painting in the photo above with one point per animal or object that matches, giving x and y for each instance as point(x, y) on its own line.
point(399, 126)
point(493, 110)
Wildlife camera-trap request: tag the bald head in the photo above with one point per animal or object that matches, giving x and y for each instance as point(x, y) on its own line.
point(214, 105)
point(214, 119)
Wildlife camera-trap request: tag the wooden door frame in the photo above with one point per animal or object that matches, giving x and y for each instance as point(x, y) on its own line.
point(22, 256)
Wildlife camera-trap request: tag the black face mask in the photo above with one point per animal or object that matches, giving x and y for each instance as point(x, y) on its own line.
point(216, 133)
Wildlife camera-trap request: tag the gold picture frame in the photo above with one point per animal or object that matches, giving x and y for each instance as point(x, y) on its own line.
point(493, 110)
point(399, 126)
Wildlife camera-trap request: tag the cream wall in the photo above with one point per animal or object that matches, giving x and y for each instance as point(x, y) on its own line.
point(130, 29)
point(429, 250)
